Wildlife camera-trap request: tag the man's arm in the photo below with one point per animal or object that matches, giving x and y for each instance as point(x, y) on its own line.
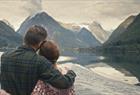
point(49, 74)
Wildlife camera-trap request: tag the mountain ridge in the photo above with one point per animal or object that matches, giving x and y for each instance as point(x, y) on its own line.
point(65, 38)
point(98, 31)
point(8, 37)
point(85, 35)
point(120, 29)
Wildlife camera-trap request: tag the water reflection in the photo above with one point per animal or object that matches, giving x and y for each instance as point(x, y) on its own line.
point(126, 63)
point(129, 64)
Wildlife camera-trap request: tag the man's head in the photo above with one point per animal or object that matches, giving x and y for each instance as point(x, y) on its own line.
point(50, 51)
point(35, 36)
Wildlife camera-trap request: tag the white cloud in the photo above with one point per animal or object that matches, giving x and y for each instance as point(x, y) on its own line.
point(33, 6)
point(110, 13)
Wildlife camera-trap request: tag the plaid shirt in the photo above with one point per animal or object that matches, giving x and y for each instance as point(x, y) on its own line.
point(22, 68)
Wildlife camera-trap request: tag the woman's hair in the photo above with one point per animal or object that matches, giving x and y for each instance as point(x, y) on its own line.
point(35, 35)
point(50, 51)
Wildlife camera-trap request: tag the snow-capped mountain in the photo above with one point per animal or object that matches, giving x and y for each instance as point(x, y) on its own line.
point(72, 26)
point(65, 38)
point(88, 39)
point(98, 32)
point(95, 28)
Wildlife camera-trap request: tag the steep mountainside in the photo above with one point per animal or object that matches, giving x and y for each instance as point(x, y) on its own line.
point(121, 28)
point(8, 37)
point(128, 42)
point(99, 32)
point(87, 37)
point(132, 34)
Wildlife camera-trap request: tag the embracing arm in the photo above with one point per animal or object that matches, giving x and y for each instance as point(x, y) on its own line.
point(50, 75)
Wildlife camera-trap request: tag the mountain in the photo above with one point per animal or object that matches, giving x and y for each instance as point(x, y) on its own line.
point(87, 38)
point(71, 26)
point(8, 37)
point(65, 38)
point(127, 42)
point(120, 29)
point(99, 32)
point(95, 28)
point(132, 33)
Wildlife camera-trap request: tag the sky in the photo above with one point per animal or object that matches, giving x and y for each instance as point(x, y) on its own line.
point(109, 13)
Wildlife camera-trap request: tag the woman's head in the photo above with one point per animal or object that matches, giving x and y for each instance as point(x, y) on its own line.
point(50, 51)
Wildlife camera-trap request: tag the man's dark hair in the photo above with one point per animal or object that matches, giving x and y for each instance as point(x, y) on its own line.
point(35, 35)
point(50, 51)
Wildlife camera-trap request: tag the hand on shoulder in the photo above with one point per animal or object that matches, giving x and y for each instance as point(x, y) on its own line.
point(64, 68)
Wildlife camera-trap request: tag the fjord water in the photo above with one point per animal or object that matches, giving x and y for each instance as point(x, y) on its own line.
point(103, 74)
point(127, 64)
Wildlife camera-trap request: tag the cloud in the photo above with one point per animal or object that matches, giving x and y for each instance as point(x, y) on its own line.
point(33, 6)
point(110, 13)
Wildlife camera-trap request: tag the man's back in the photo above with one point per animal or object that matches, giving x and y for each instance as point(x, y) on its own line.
point(22, 68)
point(19, 71)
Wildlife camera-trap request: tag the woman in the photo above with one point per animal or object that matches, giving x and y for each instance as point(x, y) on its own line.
point(50, 51)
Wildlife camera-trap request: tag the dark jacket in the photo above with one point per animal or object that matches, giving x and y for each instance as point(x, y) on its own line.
point(22, 68)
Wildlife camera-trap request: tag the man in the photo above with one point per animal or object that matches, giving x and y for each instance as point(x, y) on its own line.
point(22, 68)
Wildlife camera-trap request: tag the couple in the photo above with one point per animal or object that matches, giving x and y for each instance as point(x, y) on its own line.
point(24, 72)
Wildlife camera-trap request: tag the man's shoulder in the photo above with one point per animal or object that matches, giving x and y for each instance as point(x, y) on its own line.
point(7, 53)
point(25, 56)
point(42, 59)
point(42, 62)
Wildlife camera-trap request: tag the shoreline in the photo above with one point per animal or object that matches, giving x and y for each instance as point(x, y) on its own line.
point(107, 71)
point(90, 83)
point(112, 73)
